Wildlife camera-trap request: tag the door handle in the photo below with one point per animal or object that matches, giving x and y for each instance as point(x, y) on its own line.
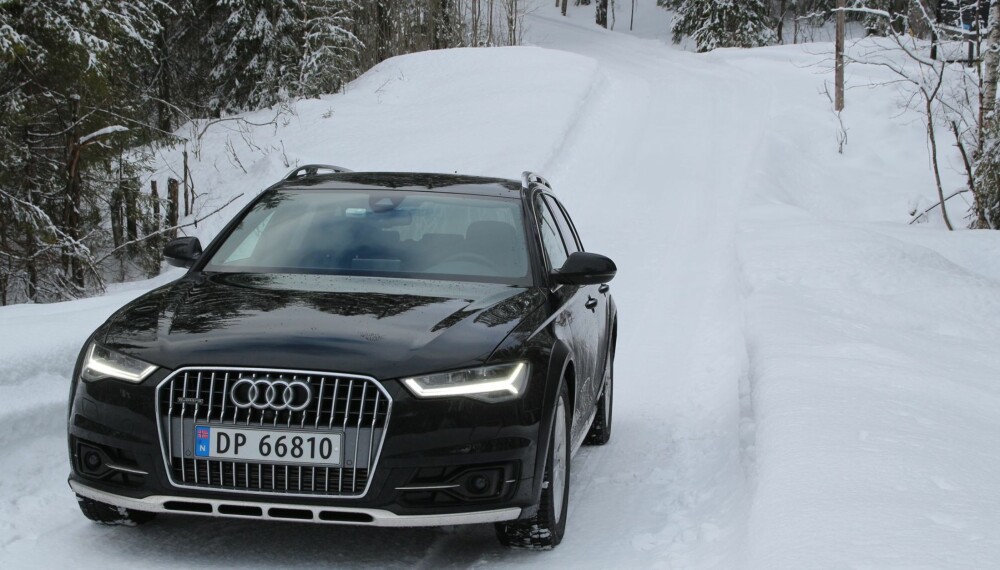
point(603, 288)
point(591, 303)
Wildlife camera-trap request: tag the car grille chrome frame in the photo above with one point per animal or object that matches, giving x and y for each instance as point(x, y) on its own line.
point(356, 406)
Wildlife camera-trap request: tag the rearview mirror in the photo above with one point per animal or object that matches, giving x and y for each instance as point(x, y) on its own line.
point(183, 251)
point(583, 268)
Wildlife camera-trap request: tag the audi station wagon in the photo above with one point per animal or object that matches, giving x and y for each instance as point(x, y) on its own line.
point(385, 349)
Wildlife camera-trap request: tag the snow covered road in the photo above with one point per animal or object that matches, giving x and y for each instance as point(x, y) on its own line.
point(697, 175)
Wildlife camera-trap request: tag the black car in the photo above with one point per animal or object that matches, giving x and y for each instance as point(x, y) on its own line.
point(388, 349)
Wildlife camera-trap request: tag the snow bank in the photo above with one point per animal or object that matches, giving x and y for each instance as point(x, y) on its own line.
point(872, 343)
point(492, 112)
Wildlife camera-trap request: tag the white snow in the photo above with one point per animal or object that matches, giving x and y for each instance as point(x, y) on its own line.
point(803, 379)
point(101, 132)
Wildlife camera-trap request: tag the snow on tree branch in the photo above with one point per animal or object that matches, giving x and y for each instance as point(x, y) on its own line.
point(101, 132)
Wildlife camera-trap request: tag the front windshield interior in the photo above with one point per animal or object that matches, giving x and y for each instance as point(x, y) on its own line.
point(381, 233)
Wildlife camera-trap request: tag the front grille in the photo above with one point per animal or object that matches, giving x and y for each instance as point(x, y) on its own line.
point(357, 407)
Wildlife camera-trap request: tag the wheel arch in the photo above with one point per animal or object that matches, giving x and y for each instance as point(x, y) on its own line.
point(561, 371)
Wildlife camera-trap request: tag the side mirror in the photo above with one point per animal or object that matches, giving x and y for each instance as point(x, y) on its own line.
point(182, 252)
point(584, 268)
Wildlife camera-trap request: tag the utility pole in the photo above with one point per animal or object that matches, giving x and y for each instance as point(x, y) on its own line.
point(839, 72)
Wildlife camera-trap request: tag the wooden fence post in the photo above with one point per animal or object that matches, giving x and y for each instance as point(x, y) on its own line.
point(187, 205)
point(173, 205)
point(156, 205)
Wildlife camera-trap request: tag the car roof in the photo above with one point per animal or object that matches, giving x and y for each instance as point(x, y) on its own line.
point(410, 181)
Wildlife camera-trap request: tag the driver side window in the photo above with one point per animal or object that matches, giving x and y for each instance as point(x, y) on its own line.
point(555, 250)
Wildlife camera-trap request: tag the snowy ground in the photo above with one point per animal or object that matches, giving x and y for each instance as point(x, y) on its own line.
point(804, 380)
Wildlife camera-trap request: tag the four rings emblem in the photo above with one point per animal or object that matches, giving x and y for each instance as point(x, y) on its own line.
point(261, 394)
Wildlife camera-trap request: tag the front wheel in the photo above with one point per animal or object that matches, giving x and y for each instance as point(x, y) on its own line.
point(545, 529)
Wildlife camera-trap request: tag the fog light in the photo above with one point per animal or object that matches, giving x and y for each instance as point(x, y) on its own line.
point(478, 484)
point(92, 461)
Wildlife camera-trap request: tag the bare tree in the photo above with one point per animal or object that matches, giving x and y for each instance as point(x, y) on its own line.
point(839, 73)
point(927, 80)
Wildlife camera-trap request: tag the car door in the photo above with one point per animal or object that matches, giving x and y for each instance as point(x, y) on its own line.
point(574, 318)
point(591, 325)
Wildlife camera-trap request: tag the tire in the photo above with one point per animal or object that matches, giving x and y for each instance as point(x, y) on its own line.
point(600, 429)
point(111, 515)
point(544, 530)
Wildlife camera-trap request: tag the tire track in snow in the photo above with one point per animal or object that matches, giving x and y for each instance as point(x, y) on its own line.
point(651, 165)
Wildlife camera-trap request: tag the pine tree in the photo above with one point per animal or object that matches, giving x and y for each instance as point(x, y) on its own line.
point(69, 85)
point(881, 25)
point(265, 51)
point(329, 48)
point(722, 23)
point(256, 52)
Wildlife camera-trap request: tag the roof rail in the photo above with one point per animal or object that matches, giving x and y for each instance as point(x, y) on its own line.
point(312, 170)
point(528, 178)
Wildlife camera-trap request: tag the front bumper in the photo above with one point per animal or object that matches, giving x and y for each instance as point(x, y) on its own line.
point(430, 450)
point(289, 512)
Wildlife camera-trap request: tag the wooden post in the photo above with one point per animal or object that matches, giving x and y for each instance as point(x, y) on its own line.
point(131, 212)
point(839, 72)
point(155, 195)
point(172, 205)
point(117, 235)
point(188, 206)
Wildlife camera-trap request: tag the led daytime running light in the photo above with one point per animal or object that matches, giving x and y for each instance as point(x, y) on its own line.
point(510, 385)
point(97, 366)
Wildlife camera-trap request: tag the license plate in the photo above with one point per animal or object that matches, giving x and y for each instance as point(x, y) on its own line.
point(296, 447)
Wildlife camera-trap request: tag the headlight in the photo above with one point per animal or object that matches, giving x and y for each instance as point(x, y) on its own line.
point(489, 383)
point(103, 363)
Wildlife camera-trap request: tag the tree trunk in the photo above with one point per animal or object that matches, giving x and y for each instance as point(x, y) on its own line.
point(988, 94)
point(157, 241)
point(163, 113)
point(74, 193)
point(781, 22)
point(30, 268)
point(131, 212)
point(442, 26)
point(929, 101)
point(511, 22)
point(839, 72)
point(602, 13)
point(935, 39)
point(383, 23)
point(564, 2)
point(117, 234)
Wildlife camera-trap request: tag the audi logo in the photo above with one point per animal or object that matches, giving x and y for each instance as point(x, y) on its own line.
point(294, 395)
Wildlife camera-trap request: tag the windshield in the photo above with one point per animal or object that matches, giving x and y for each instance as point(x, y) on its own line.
point(382, 233)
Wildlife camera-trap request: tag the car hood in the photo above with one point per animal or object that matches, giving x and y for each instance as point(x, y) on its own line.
point(385, 328)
